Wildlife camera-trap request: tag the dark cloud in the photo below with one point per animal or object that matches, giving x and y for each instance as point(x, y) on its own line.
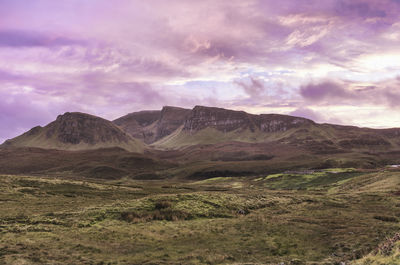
point(22, 38)
point(357, 8)
point(385, 93)
point(324, 91)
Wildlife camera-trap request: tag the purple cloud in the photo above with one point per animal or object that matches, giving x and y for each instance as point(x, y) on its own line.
point(20, 38)
point(323, 91)
point(363, 9)
point(111, 58)
point(253, 88)
point(384, 93)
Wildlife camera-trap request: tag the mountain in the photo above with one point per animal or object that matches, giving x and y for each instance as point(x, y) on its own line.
point(196, 143)
point(174, 128)
point(77, 131)
point(151, 126)
point(209, 125)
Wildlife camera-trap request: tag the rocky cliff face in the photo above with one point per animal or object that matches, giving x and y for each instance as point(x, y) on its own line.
point(173, 128)
point(74, 128)
point(228, 120)
point(139, 124)
point(77, 131)
point(220, 119)
point(279, 123)
point(150, 126)
point(162, 129)
point(171, 119)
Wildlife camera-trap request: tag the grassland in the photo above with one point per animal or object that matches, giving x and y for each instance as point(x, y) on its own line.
point(321, 217)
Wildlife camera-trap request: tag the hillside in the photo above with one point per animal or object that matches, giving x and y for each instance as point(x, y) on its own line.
point(77, 131)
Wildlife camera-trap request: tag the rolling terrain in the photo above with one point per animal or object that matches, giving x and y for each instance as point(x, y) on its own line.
point(314, 217)
point(200, 186)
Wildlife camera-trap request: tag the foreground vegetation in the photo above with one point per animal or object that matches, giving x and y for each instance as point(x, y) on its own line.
point(310, 217)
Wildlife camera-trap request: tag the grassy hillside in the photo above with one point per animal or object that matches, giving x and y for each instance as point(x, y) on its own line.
point(298, 217)
point(387, 253)
point(210, 135)
point(41, 140)
point(313, 138)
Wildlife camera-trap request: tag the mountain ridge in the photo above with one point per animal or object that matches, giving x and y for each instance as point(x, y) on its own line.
point(201, 142)
point(175, 127)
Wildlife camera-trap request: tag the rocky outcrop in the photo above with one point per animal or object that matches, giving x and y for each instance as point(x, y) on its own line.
point(138, 124)
point(220, 119)
point(171, 119)
point(279, 123)
point(229, 120)
point(74, 128)
point(161, 128)
point(150, 126)
point(77, 131)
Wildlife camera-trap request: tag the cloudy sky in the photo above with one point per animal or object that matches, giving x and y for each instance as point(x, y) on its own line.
point(335, 61)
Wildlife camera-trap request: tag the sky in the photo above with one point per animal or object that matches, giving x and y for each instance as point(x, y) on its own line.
point(334, 61)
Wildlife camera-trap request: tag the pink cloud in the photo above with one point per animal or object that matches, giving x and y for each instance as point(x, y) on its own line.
point(114, 57)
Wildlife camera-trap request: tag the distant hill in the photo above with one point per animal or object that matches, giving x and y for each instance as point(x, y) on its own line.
point(77, 131)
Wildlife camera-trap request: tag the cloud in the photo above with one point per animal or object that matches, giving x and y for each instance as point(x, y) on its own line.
point(18, 113)
point(254, 87)
point(109, 59)
point(316, 116)
point(363, 9)
point(306, 113)
point(385, 93)
point(25, 38)
point(326, 90)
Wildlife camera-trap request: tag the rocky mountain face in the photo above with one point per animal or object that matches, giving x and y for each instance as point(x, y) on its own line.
point(74, 128)
point(228, 120)
point(174, 128)
point(77, 131)
point(150, 126)
point(138, 124)
point(227, 142)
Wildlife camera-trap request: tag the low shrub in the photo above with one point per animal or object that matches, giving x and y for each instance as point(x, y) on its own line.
point(386, 218)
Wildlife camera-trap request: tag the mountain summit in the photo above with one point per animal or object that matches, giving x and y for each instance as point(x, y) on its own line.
point(77, 131)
